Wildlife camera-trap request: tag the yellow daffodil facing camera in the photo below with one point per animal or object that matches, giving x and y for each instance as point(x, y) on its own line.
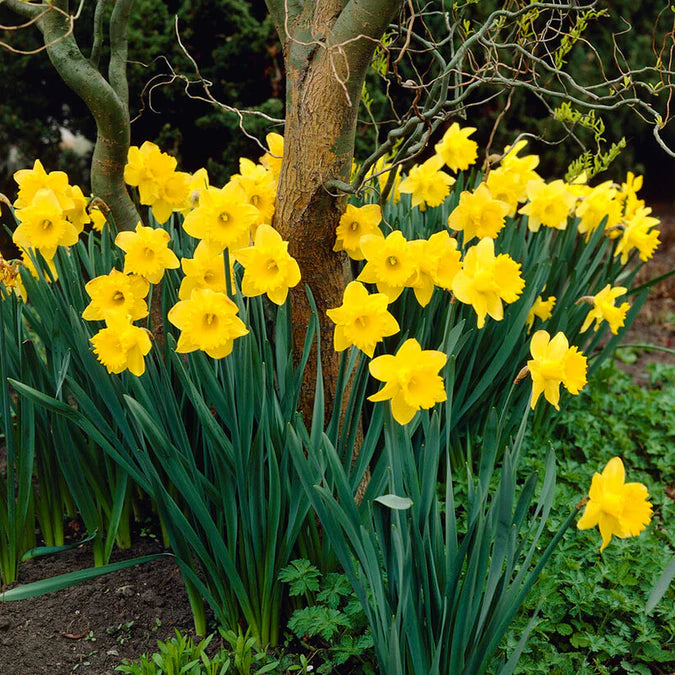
point(116, 293)
point(411, 379)
point(554, 363)
point(485, 280)
point(604, 309)
point(147, 252)
point(616, 507)
point(362, 320)
point(208, 321)
point(355, 223)
point(268, 266)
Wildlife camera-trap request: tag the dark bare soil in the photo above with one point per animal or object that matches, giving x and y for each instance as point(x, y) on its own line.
point(91, 627)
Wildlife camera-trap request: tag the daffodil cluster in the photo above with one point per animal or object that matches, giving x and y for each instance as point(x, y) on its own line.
point(50, 213)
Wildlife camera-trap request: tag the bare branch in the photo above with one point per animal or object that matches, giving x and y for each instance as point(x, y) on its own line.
point(95, 55)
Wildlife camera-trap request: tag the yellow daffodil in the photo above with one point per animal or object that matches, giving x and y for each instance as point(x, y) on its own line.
point(604, 309)
point(522, 169)
point(116, 293)
point(427, 184)
point(147, 252)
point(173, 194)
point(206, 269)
point(30, 181)
point(438, 261)
point(638, 233)
point(458, 151)
point(208, 321)
point(598, 203)
point(618, 508)
point(628, 195)
point(411, 379)
point(273, 159)
point(391, 263)
point(268, 266)
point(43, 226)
point(362, 320)
point(223, 217)
point(541, 309)
point(554, 363)
point(504, 186)
point(356, 222)
point(478, 214)
point(486, 280)
point(121, 345)
point(549, 204)
point(148, 168)
point(260, 187)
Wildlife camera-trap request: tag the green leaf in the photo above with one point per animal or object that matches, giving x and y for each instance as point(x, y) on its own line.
point(394, 502)
point(43, 586)
point(661, 586)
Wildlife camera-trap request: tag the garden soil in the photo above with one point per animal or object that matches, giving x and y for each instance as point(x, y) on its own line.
point(91, 627)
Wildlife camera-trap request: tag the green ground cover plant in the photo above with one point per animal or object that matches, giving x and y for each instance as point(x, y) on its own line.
point(592, 615)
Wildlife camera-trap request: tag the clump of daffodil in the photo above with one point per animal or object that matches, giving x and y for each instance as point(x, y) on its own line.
point(260, 187)
point(356, 222)
point(554, 363)
point(638, 233)
point(549, 204)
point(116, 293)
point(411, 379)
point(362, 320)
point(159, 185)
point(43, 225)
point(208, 321)
point(223, 218)
point(121, 345)
point(478, 214)
point(604, 309)
point(206, 269)
point(618, 508)
point(268, 266)
point(427, 184)
point(541, 309)
point(486, 280)
point(147, 252)
point(273, 159)
point(598, 203)
point(458, 151)
point(438, 261)
point(390, 263)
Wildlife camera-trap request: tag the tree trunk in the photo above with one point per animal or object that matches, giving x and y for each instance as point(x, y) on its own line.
point(326, 63)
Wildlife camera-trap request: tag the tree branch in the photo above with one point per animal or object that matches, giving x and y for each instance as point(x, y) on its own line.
point(95, 55)
point(117, 69)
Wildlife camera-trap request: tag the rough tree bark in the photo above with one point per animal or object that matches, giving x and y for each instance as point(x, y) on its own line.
point(107, 100)
point(328, 46)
